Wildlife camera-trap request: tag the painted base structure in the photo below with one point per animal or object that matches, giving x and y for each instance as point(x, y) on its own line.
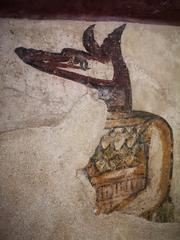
point(118, 170)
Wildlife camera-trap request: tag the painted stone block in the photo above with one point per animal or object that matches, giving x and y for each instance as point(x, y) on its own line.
point(131, 168)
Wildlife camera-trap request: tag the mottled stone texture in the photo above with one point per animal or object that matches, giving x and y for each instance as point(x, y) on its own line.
point(51, 126)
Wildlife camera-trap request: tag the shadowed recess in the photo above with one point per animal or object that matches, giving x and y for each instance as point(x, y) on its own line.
point(155, 11)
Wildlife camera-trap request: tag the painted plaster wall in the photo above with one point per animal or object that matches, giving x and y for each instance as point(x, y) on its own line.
point(50, 127)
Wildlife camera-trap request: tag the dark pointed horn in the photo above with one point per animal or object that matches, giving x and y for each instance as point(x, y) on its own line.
point(117, 33)
point(89, 42)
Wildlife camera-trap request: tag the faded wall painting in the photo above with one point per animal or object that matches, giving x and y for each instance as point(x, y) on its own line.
point(131, 168)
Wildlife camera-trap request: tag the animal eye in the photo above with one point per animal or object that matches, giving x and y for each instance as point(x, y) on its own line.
point(63, 53)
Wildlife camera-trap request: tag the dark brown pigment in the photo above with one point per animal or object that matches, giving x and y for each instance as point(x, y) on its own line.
point(146, 11)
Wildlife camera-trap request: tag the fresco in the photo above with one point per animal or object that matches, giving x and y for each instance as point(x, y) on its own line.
point(131, 168)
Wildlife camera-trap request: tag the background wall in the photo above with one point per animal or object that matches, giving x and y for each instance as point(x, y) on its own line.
point(51, 126)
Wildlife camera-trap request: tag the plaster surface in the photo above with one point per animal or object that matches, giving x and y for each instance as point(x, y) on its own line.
point(50, 127)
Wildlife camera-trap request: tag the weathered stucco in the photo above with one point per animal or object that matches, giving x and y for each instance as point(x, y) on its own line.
point(50, 127)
